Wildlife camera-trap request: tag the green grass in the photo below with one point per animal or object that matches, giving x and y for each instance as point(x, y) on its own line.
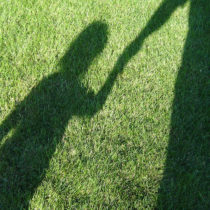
point(104, 104)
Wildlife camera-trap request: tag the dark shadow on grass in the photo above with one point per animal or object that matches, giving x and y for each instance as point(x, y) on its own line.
point(41, 118)
point(184, 184)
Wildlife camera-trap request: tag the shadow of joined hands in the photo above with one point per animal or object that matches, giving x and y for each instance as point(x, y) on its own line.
point(41, 118)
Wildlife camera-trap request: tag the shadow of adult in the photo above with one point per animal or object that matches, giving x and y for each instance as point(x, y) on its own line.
point(184, 184)
point(41, 118)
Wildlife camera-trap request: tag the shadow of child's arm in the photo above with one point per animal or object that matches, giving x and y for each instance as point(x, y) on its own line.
point(162, 14)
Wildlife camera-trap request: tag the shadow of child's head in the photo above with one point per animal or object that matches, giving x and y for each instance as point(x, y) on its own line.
point(90, 42)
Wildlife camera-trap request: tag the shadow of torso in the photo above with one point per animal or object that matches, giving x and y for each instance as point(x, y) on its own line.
point(41, 118)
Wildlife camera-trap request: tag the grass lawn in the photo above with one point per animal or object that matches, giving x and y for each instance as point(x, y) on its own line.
point(104, 104)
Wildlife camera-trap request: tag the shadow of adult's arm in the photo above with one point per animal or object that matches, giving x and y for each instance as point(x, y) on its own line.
point(160, 17)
